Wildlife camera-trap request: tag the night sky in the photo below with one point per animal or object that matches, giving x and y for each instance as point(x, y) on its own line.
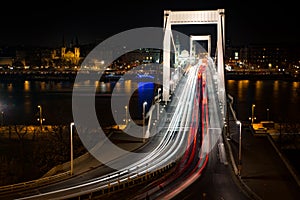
point(46, 22)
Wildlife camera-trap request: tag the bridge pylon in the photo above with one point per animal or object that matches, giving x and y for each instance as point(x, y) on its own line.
point(187, 18)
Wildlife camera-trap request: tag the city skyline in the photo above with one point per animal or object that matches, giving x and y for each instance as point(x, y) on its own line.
point(45, 24)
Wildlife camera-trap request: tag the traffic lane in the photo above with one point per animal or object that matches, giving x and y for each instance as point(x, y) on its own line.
point(217, 181)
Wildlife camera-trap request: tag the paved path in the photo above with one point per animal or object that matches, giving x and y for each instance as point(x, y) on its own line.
point(265, 173)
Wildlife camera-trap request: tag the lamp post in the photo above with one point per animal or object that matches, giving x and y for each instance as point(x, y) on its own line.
point(252, 114)
point(144, 116)
point(40, 119)
point(126, 115)
point(268, 116)
point(71, 143)
point(158, 100)
point(240, 147)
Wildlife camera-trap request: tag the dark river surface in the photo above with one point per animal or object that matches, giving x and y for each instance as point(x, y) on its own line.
point(19, 100)
point(274, 100)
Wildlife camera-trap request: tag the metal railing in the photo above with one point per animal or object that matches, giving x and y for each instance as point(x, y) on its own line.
point(32, 183)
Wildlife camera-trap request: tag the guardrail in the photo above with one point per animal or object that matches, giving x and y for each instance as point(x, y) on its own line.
point(32, 183)
point(110, 187)
point(118, 185)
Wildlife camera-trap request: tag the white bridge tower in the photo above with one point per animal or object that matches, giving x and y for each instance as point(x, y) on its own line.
point(186, 18)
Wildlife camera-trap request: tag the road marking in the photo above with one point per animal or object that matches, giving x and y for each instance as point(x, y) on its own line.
point(222, 153)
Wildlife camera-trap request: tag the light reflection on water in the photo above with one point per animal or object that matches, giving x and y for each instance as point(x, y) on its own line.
point(282, 98)
point(19, 100)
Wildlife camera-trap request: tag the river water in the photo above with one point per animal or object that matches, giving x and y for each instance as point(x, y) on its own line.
point(274, 100)
point(19, 100)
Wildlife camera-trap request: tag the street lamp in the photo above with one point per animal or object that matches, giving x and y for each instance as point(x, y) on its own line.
point(158, 100)
point(71, 142)
point(240, 147)
point(126, 115)
point(40, 119)
point(144, 116)
point(158, 91)
point(268, 114)
point(252, 118)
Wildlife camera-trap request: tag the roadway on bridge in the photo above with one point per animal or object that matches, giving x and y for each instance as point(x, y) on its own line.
point(217, 181)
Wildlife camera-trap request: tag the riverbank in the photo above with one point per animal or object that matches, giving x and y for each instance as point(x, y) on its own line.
point(26, 153)
point(70, 75)
point(231, 75)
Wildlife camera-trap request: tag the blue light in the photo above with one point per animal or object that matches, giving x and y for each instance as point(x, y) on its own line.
point(145, 93)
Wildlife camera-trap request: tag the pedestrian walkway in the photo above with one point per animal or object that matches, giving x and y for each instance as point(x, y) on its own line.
point(265, 173)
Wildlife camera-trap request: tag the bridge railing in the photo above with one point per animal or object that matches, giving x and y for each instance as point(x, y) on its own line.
point(30, 184)
point(216, 92)
point(120, 184)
